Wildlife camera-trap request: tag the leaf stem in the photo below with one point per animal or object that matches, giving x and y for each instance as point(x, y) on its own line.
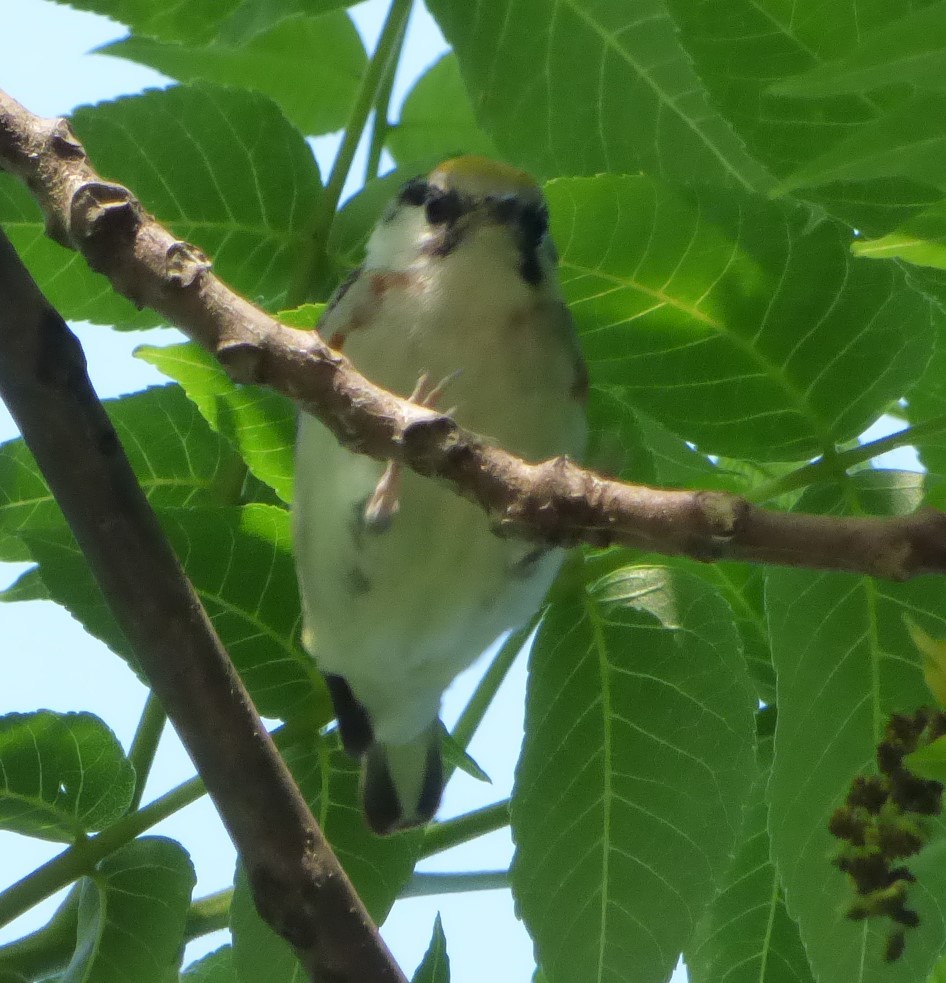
point(836, 464)
point(488, 686)
point(315, 238)
point(82, 856)
point(442, 836)
point(380, 124)
point(422, 885)
point(48, 950)
point(145, 745)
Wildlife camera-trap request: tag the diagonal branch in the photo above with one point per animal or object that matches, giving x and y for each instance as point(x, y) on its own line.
point(298, 885)
point(555, 502)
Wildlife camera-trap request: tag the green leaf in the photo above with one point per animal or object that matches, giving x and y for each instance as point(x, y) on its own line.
point(132, 912)
point(223, 168)
point(908, 141)
point(743, 49)
point(173, 20)
point(733, 322)
point(845, 661)
point(378, 867)
point(920, 240)
point(174, 454)
point(929, 761)
point(435, 966)
point(456, 756)
point(637, 758)
point(593, 85)
point(239, 560)
point(217, 967)
point(68, 283)
point(746, 935)
point(62, 775)
point(910, 49)
point(436, 120)
point(253, 16)
point(309, 66)
point(259, 423)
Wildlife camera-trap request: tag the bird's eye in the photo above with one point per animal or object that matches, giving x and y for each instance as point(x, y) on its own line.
point(414, 192)
point(443, 206)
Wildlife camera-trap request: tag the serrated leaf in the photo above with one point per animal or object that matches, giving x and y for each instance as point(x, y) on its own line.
point(174, 454)
point(908, 50)
point(217, 967)
point(239, 560)
point(223, 168)
point(589, 86)
point(173, 20)
point(253, 16)
point(637, 758)
point(730, 320)
point(908, 141)
point(435, 966)
point(315, 92)
point(845, 662)
point(62, 775)
point(746, 935)
point(742, 49)
point(259, 423)
point(436, 120)
point(132, 912)
point(378, 867)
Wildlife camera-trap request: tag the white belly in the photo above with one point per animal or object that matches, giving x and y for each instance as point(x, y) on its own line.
point(400, 612)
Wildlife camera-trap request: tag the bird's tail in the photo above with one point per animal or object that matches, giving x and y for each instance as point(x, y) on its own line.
point(401, 784)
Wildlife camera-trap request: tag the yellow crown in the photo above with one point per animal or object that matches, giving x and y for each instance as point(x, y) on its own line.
point(481, 176)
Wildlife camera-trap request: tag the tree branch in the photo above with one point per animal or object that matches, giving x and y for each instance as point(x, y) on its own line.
point(298, 885)
point(553, 502)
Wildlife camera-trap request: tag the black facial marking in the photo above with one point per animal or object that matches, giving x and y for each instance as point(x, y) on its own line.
point(443, 207)
point(354, 725)
point(414, 192)
point(533, 227)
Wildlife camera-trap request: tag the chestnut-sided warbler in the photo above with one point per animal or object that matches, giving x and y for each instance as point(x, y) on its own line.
point(403, 582)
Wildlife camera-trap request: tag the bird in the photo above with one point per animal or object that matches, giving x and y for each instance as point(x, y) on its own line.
point(403, 583)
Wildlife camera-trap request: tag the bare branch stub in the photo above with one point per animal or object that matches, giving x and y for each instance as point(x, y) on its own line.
point(554, 502)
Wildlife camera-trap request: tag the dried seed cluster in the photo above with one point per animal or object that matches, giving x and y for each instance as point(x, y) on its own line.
point(881, 823)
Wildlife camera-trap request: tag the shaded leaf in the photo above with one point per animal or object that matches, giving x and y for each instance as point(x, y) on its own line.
point(637, 758)
point(62, 775)
point(259, 423)
point(223, 168)
point(746, 935)
point(132, 912)
point(174, 454)
point(436, 120)
point(845, 662)
point(593, 85)
point(309, 66)
point(730, 320)
point(920, 240)
point(217, 967)
point(435, 966)
point(908, 141)
point(239, 560)
point(910, 49)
